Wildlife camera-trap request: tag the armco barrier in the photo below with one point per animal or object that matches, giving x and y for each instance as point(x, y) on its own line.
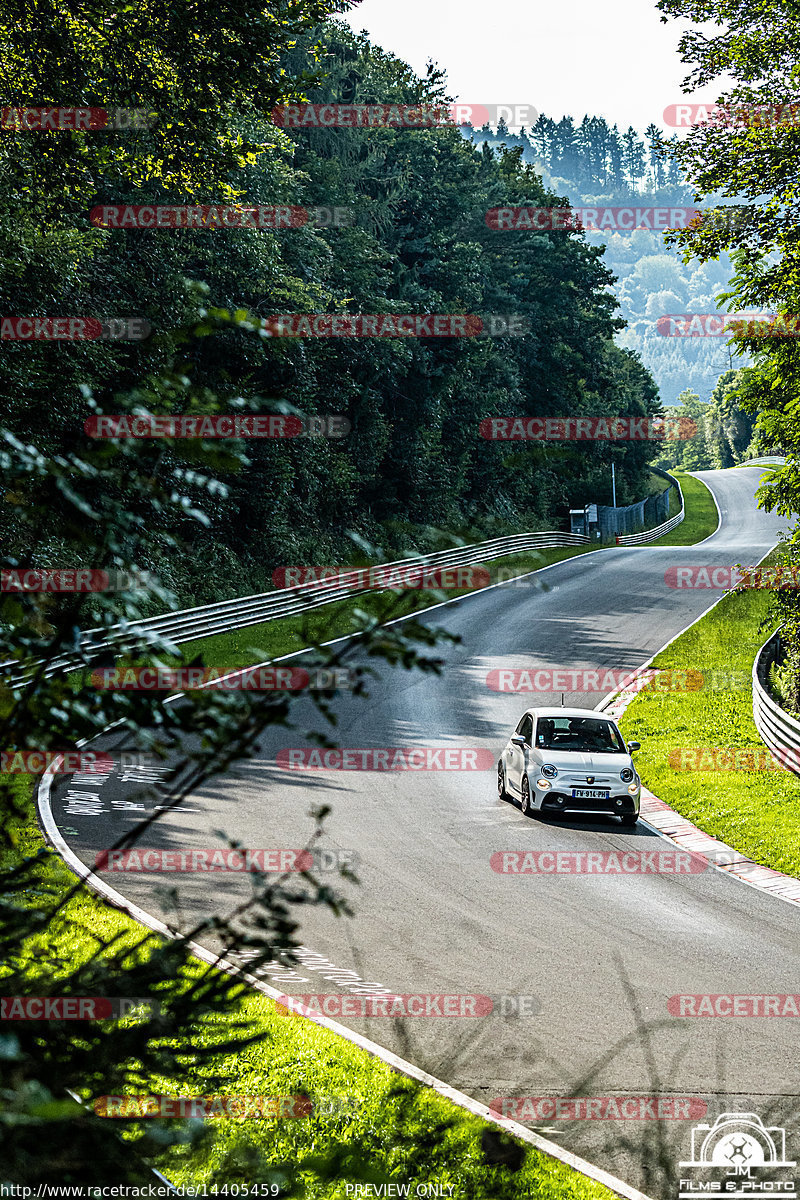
point(242, 612)
point(779, 731)
point(226, 615)
point(650, 535)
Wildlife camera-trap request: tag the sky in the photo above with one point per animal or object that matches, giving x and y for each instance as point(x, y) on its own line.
point(616, 61)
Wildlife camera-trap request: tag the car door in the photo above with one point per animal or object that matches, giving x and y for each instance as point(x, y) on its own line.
point(517, 755)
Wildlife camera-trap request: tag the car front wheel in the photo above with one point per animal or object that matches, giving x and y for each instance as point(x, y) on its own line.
point(501, 782)
point(525, 801)
point(630, 819)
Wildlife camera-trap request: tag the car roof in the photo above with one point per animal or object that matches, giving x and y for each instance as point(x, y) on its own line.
point(568, 712)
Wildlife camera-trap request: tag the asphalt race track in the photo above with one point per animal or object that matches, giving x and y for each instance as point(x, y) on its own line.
point(600, 954)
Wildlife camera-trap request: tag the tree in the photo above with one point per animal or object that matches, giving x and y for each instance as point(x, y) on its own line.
point(615, 159)
point(660, 303)
point(542, 138)
point(690, 454)
point(728, 427)
point(750, 153)
point(658, 272)
point(105, 499)
point(656, 155)
point(564, 154)
point(632, 158)
point(116, 505)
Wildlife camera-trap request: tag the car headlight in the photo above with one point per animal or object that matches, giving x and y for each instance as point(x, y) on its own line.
point(549, 771)
point(626, 774)
point(633, 788)
point(544, 784)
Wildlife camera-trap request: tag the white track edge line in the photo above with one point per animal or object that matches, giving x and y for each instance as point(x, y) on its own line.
point(464, 1101)
point(117, 900)
point(695, 475)
point(723, 870)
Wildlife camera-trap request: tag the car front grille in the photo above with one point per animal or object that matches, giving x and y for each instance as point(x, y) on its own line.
point(573, 805)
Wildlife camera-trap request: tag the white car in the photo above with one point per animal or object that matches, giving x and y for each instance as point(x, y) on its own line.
point(570, 760)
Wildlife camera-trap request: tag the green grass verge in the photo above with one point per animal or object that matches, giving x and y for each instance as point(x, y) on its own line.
point(257, 643)
point(385, 1122)
point(243, 647)
point(755, 811)
point(287, 635)
point(385, 1127)
point(701, 514)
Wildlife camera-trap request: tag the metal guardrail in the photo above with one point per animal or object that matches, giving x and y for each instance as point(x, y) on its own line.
point(779, 731)
point(227, 615)
point(650, 535)
point(244, 611)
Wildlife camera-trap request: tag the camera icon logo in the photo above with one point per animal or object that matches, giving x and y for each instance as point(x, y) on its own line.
point(738, 1141)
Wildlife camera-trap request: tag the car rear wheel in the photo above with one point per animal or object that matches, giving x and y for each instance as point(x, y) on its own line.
point(525, 801)
point(501, 782)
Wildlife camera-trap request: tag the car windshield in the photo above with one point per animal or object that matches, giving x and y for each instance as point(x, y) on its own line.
point(584, 734)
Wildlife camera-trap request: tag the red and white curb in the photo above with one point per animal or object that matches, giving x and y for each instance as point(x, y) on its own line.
point(664, 821)
point(655, 809)
point(671, 825)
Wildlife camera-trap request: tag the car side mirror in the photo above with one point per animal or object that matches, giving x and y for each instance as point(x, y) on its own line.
point(634, 746)
point(518, 740)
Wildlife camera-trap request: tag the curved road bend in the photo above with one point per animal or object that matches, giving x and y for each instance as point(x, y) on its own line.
point(601, 954)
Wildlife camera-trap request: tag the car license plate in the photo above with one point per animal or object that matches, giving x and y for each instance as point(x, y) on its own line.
point(589, 794)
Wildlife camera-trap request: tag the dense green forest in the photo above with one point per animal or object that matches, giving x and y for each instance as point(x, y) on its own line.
point(214, 518)
point(727, 433)
point(419, 243)
point(592, 163)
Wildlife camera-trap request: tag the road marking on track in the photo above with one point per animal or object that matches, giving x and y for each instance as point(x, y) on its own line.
point(53, 835)
point(666, 823)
